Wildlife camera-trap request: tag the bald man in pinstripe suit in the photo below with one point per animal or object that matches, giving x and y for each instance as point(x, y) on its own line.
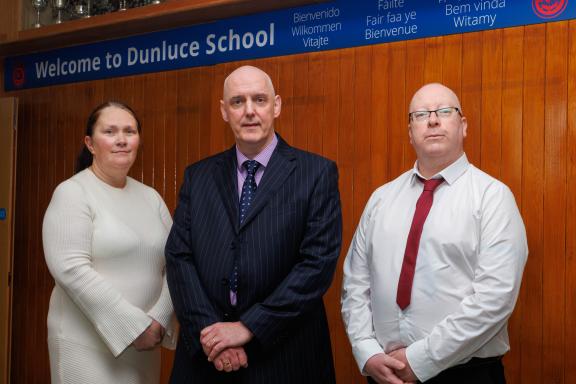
point(254, 246)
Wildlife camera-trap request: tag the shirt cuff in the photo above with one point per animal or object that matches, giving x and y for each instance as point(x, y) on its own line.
point(364, 350)
point(161, 315)
point(422, 365)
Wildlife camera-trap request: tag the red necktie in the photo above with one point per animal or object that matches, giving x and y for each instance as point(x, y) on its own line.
point(423, 206)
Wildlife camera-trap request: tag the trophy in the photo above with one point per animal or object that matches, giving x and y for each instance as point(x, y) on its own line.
point(59, 6)
point(83, 8)
point(122, 6)
point(39, 6)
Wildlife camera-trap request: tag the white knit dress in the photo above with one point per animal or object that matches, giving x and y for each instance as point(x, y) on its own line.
point(104, 246)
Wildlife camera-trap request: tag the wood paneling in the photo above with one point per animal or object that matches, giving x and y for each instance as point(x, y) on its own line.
point(511, 169)
point(9, 20)
point(8, 114)
point(554, 272)
point(532, 208)
point(518, 92)
point(570, 290)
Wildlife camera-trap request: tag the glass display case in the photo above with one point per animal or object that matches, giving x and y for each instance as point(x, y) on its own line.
point(38, 25)
point(39, 13)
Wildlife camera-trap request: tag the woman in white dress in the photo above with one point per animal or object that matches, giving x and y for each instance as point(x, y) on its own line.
point(104, 235)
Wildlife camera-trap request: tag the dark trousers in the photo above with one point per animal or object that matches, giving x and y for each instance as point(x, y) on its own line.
point(477, 371)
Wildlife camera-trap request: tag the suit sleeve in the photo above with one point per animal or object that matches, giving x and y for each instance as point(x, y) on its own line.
point(191, 304)
point(67, 238)
point(303, 288)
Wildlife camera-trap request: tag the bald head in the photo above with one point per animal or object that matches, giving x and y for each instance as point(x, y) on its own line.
point(438, 139)
point(246, 73)
point(249, 105)
point(434, 94)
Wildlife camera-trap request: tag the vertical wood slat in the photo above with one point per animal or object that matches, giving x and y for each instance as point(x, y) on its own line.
point(285, 88)
point(570, 290)
point(37, 271)
point(434, 59)
point(511, 169)
point(380, 103)
point(518, 93)
point(471, 94)
point(330, 140)
point(314, 117)
point(362, 120)
point(416, 69)
point(531, 296)
point(452, 63)
point(301, 101)
point(346, 133)
point(8, 136)
point(491, 147)
point(554, 276)
point(397, 111)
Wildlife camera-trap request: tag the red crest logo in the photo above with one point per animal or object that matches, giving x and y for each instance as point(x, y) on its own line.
point(548, 9)
point(18, 75)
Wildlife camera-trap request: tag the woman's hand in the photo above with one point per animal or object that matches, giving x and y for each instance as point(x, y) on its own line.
point(150, 338)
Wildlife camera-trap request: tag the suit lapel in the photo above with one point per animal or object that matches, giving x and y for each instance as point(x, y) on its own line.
point(226, 179)
point(281, 165)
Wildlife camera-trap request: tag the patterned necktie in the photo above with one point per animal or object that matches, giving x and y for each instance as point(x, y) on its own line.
point(249, 188)
point(423, 206)
point(248, 192)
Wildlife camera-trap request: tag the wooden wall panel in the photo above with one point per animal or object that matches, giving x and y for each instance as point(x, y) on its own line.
point(570, 290)
point(433, 59)
point(415, 73)
point(518, 93)
point(315, 105)
point(491, 147)
point(10, 20)
point(452, 63)
point(8, 136)
point(362, 118)
point(397, 121)
point(532, 208)
point(471, 94)
point(511, 169)
point(380, 103)
point(554, 273)
point(350, 214)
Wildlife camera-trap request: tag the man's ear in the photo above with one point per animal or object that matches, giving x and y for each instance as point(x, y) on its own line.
point(277, 105)
point(223, 111)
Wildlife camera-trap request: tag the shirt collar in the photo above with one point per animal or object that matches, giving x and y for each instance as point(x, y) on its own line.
point(450, 174)
point(263, 157)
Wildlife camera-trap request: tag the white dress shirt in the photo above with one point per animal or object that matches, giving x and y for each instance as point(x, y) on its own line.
point(468, 271)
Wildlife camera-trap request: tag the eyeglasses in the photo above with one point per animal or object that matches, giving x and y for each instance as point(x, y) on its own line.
point(441, 113)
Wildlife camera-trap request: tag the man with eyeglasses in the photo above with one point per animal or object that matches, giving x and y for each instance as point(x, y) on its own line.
point(434, 268)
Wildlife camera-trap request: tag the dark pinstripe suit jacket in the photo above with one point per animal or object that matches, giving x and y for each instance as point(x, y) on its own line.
point(287, 249)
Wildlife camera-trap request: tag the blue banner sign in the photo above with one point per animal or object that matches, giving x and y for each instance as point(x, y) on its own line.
point(332, 25)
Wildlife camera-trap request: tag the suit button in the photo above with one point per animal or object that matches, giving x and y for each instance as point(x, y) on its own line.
point(232, 245)
point(226, 316)
point(225, 281)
